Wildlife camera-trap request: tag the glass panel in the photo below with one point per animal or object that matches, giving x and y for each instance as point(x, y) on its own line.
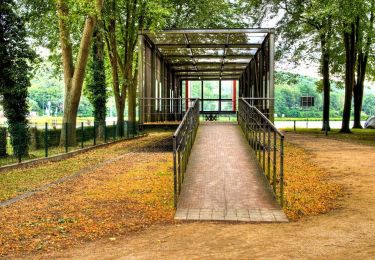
point(195, 89)
point(226, 106)
point(211, 89)
point(227, 89)
point(183, 88)
point(211, 105)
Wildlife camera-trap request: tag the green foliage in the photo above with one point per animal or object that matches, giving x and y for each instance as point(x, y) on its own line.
point(38, 135)
point(290, 87)
point(15, 55)
point(369, 104)
point(204, 14)
point(96, 88)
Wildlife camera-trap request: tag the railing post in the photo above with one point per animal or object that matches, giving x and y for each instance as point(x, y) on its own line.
point(82, 135)
point(282, 171)
point(175, 171)
point(274, 162)
point(268, 153)
point(105, 131)
point(66, 137)
point(46, 140)
point(114, 131)
point(264, 144)
point(95, 133)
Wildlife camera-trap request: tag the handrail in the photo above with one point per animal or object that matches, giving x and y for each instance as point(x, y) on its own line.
point(267, 142)
point(183, 140)
point(264, 117)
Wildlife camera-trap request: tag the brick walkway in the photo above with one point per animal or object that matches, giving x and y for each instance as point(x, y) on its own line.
point(222, 180)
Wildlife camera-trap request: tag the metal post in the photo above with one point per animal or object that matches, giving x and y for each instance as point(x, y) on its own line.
point(46, 140)
point(105, 131)
point(294, 125)
point(271, 73)
point(281, 171)
point(175, 171)
point(264, 143)
point(141, 72)
point(114, 130)
point(269, 155)
point(66, 137)
point(82, 134)
point(274, 161)
point(94, 133)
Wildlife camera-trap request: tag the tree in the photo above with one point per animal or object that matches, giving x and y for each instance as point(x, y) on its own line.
point(123, 19)
point(96, 88)
point(15, 55)
point(304, 26)
point(347, 15)
point(365, 36)
point(74, 74)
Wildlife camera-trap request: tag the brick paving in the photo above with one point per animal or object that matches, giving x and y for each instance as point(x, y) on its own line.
point(223, 181)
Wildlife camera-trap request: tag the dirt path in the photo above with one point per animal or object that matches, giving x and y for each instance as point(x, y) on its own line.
point(346, 233)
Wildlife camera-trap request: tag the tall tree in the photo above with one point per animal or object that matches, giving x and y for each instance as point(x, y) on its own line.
point(347, 14)
point(74, 73)
point(303, 27)
point(365, 38)
point(123, 19)
point(15, 55)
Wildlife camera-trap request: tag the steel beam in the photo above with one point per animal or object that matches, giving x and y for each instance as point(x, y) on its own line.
point(210, 46)
point(219, 31)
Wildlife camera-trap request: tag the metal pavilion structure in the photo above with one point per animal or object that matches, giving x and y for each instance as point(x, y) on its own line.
point(171, 60)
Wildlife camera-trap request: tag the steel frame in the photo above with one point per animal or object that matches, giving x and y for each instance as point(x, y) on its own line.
point(166, 72)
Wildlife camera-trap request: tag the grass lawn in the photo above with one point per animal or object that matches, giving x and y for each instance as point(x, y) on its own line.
point(360, 136)
point(18, 181)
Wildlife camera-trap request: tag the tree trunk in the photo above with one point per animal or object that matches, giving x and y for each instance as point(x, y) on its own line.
point(73, 75)
point(120, 119)
point(361, 70)
point(358, 89)
point(325, 61)
point(132, 99)
point(350, 60)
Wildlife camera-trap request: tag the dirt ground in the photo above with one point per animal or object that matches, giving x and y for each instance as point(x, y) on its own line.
point(344, 233)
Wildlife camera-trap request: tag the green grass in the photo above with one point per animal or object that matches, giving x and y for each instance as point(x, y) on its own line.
point(361, 136)
point(310, 118)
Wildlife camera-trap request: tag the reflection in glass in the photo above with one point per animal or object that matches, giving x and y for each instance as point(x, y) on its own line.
point(211, 89)
point(211, 105)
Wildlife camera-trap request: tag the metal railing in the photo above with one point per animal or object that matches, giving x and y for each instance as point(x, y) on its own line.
point(155, 110)
point(264, 105)
point(268, 144)
point(22, 142)
point(183, 140)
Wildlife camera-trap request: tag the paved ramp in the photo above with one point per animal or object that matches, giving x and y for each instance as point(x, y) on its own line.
point(223, 181)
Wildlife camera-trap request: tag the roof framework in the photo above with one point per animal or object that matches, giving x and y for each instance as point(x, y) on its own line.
point(208, 54)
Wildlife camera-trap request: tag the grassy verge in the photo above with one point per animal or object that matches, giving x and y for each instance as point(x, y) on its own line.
point(18, 181)
point(110, 201)
point(360, 136)
point(311, 119)
point(308, 189)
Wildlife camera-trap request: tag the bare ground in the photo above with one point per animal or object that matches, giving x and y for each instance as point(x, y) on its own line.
point(345, 233)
